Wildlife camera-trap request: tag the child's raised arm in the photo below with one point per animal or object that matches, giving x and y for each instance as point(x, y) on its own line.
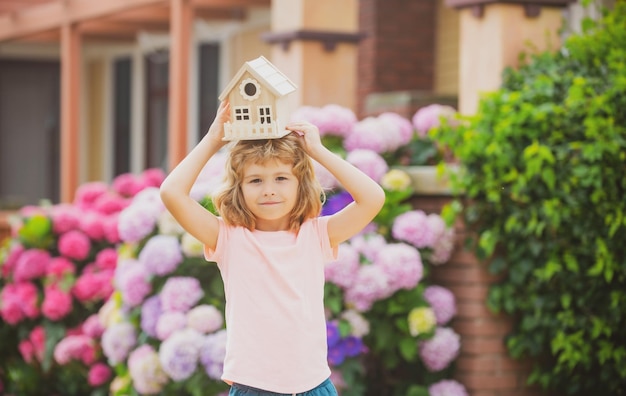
point(175, 189)
point(368, 196)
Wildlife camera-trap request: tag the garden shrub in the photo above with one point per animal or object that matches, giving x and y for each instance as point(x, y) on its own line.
point(543, 186)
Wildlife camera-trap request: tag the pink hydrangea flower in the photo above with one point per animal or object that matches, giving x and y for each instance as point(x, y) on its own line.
point(93, 327)
point(110, 203)
point(15, 251)
point(442, 301)
point(402, 264)
point(428, 117)
point(153, 177)
point(180, 293)
point(403, 125)
point(88, 193)
point(56, 303)
point(18, 301)
point(75, 347)
point(447, 388)
point(93, 286)
point(34, 346)
point(369, 162)
point(106, 259)
point(336, 120)
point(58, 267)
point(65, 218)
point(74, 245)
point(443, 247)
point(110, 226)
point(127, 185)
point(91, 223)
point(368, 244)
point(438, 352)
point(414, 227)
point(343, 271)
point(31, 264)
point(370, 285)
point(373, 134)
point(99, 374)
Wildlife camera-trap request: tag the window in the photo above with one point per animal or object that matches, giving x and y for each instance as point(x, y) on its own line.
point(242, 113)
point(265, 114)
point(250, 89)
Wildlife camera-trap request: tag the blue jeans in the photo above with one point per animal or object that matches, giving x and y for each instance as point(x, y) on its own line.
point(326, 388)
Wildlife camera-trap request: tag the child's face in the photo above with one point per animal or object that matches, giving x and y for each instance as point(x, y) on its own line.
point(270, 191)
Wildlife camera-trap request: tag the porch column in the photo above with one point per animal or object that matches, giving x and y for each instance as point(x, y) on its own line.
point(315, 45)
point(70, 109)
point(494, 33)
point(181, 21)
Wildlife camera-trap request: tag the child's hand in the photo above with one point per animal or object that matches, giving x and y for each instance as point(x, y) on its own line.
point(309, 132)
point(216, 131)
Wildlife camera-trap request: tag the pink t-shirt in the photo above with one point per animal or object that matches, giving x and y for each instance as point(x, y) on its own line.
point(274, 286)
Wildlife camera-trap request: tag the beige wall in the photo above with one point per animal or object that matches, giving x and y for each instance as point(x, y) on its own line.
point(446, 51)
point(246, 46)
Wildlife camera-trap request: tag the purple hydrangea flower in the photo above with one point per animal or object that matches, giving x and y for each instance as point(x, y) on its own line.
point(117, 341)
point(428, 117)
point(170, 322)
point(133, 280)
point(416, 228)
point(369, 244)
point(336, 354)
point(405, 128)
point(352, 346)
point(150, 312)
point(332, 333)
point(179, 354)
point(443, 247)
point(30, 264)
point(136, 222)
point(212, 354)
point(161, 255)
point(336, 202)
point(442, 302)
point(180, 293)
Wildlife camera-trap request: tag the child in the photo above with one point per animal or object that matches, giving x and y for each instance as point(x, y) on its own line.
point(271, 246)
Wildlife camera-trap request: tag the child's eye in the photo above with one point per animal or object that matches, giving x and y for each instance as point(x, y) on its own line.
point(255, 181)
point(281, 178)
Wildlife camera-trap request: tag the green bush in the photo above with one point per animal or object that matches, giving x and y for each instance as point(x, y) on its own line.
point(544, 187)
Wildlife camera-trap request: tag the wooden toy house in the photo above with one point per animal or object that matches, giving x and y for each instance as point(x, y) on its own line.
point(258, 103)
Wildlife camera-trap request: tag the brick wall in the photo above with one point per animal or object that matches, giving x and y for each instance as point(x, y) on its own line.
point(483, 366)
point(398, 52)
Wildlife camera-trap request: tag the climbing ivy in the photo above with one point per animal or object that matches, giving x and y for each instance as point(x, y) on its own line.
point(543, 184)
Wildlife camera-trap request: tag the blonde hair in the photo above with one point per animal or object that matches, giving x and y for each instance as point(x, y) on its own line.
point(229, 201)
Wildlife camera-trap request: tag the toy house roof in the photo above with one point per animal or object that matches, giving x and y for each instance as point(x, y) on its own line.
point(264, 71)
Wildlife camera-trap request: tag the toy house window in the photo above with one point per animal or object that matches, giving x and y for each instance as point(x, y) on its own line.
point(242, 113)
point(265, 114)
point(250, 89)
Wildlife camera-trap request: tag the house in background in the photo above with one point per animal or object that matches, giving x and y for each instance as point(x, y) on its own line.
point(258, 99)
point(90, 89)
